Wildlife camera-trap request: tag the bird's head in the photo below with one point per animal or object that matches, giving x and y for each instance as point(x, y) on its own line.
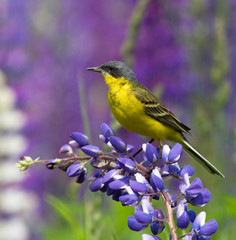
point(115, 70)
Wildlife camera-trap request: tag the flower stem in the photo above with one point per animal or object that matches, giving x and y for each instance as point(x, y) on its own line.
point(166, 197)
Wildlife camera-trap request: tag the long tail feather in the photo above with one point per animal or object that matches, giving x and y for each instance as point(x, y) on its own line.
point(203, 161)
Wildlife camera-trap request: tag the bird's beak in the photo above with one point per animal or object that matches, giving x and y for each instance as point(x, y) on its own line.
point(95, 69)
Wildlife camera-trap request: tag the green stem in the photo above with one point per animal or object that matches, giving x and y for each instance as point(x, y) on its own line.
point(135, 22)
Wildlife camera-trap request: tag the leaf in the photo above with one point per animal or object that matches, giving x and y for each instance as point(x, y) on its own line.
point(65, 212)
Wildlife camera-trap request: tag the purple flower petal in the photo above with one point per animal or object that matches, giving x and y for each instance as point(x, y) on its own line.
point(116, 195)
point(127, 164)
point(142, 217)
point(118, 144)
point(75, 169)
point(83, 176)
point(150, 152)
point(107, 131)
point(129, 199)
point(66, 148)
point(201, 199)
point(174, 168)
point(80, 138)
point(92, 151)
point(209, 228)
point(119, 183)
point(134, 225)
point(109, 176)
point(194, 188)
point(130, 148)
point(165, 153)
point(182, 217)
point(199, 220)
point(186, 169)
point(175, 153)
point(191, 215)
point(146, 204)
point(156, 180)
point(149, 237)
point(137, 186)
point(155, 227)
point(96, 185)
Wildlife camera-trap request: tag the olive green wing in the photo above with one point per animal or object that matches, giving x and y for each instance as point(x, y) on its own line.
point(155, 109)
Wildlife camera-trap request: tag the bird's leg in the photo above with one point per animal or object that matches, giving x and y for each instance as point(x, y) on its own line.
point(160, 147)
point(152, 140)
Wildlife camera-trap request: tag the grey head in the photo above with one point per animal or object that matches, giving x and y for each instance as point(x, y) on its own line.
point(116, 69)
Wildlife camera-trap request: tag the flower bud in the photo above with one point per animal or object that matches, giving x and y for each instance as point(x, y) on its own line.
point(156, 180)
point(150, 152)
point(52, 164)
point(75, 169)
point(107, 131)
point(92, 151)
point(118, 144)
point(127, 164)
point(80, 138)
point(67, 149)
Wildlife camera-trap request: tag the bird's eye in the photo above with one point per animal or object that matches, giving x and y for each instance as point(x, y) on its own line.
point(108, 69)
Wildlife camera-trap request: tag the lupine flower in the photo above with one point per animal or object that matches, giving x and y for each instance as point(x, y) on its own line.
point(92, 151)
point(51, 164)
point(139, 184)
point(146, 215)
point(127, 164)
point(67, 149)
point(156, 180)
point(203, 229)
point(129, 199)
point(149, 237)
point(80, 138)
point(82, 176)
point(182, 216)
point(171, 155)
point(134, 225)
point(186, 169)
point(150, 152)
point(118, 144)
point(138, 187)
point(107, 132)
point(194, 192)
point(75, 169)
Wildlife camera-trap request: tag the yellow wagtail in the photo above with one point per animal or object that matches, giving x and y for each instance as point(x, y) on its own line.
point(139, 111)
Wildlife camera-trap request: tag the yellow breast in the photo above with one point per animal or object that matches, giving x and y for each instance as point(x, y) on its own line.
point(129, 111)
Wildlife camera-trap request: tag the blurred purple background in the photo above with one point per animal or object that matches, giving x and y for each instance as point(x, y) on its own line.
point(184, 50)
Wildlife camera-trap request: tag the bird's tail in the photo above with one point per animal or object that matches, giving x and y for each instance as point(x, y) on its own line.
point(197, 156)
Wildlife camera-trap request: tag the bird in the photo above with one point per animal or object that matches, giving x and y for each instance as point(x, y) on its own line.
point(139, 111)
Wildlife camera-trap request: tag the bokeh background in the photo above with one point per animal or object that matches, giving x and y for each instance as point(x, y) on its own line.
point(185, 51)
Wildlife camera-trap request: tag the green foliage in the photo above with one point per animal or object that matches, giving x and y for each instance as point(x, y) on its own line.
point(82, 220)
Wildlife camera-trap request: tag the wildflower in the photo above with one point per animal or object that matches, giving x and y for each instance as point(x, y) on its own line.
point(118, 144)
point(92, 151)
point(80, 138)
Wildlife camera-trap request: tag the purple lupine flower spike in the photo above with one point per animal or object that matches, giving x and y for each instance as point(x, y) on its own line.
point(140, 183)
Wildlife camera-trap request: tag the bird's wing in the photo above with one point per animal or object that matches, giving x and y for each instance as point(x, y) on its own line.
point(155, 109)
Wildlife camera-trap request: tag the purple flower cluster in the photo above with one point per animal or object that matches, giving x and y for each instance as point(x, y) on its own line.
point(140, 184)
